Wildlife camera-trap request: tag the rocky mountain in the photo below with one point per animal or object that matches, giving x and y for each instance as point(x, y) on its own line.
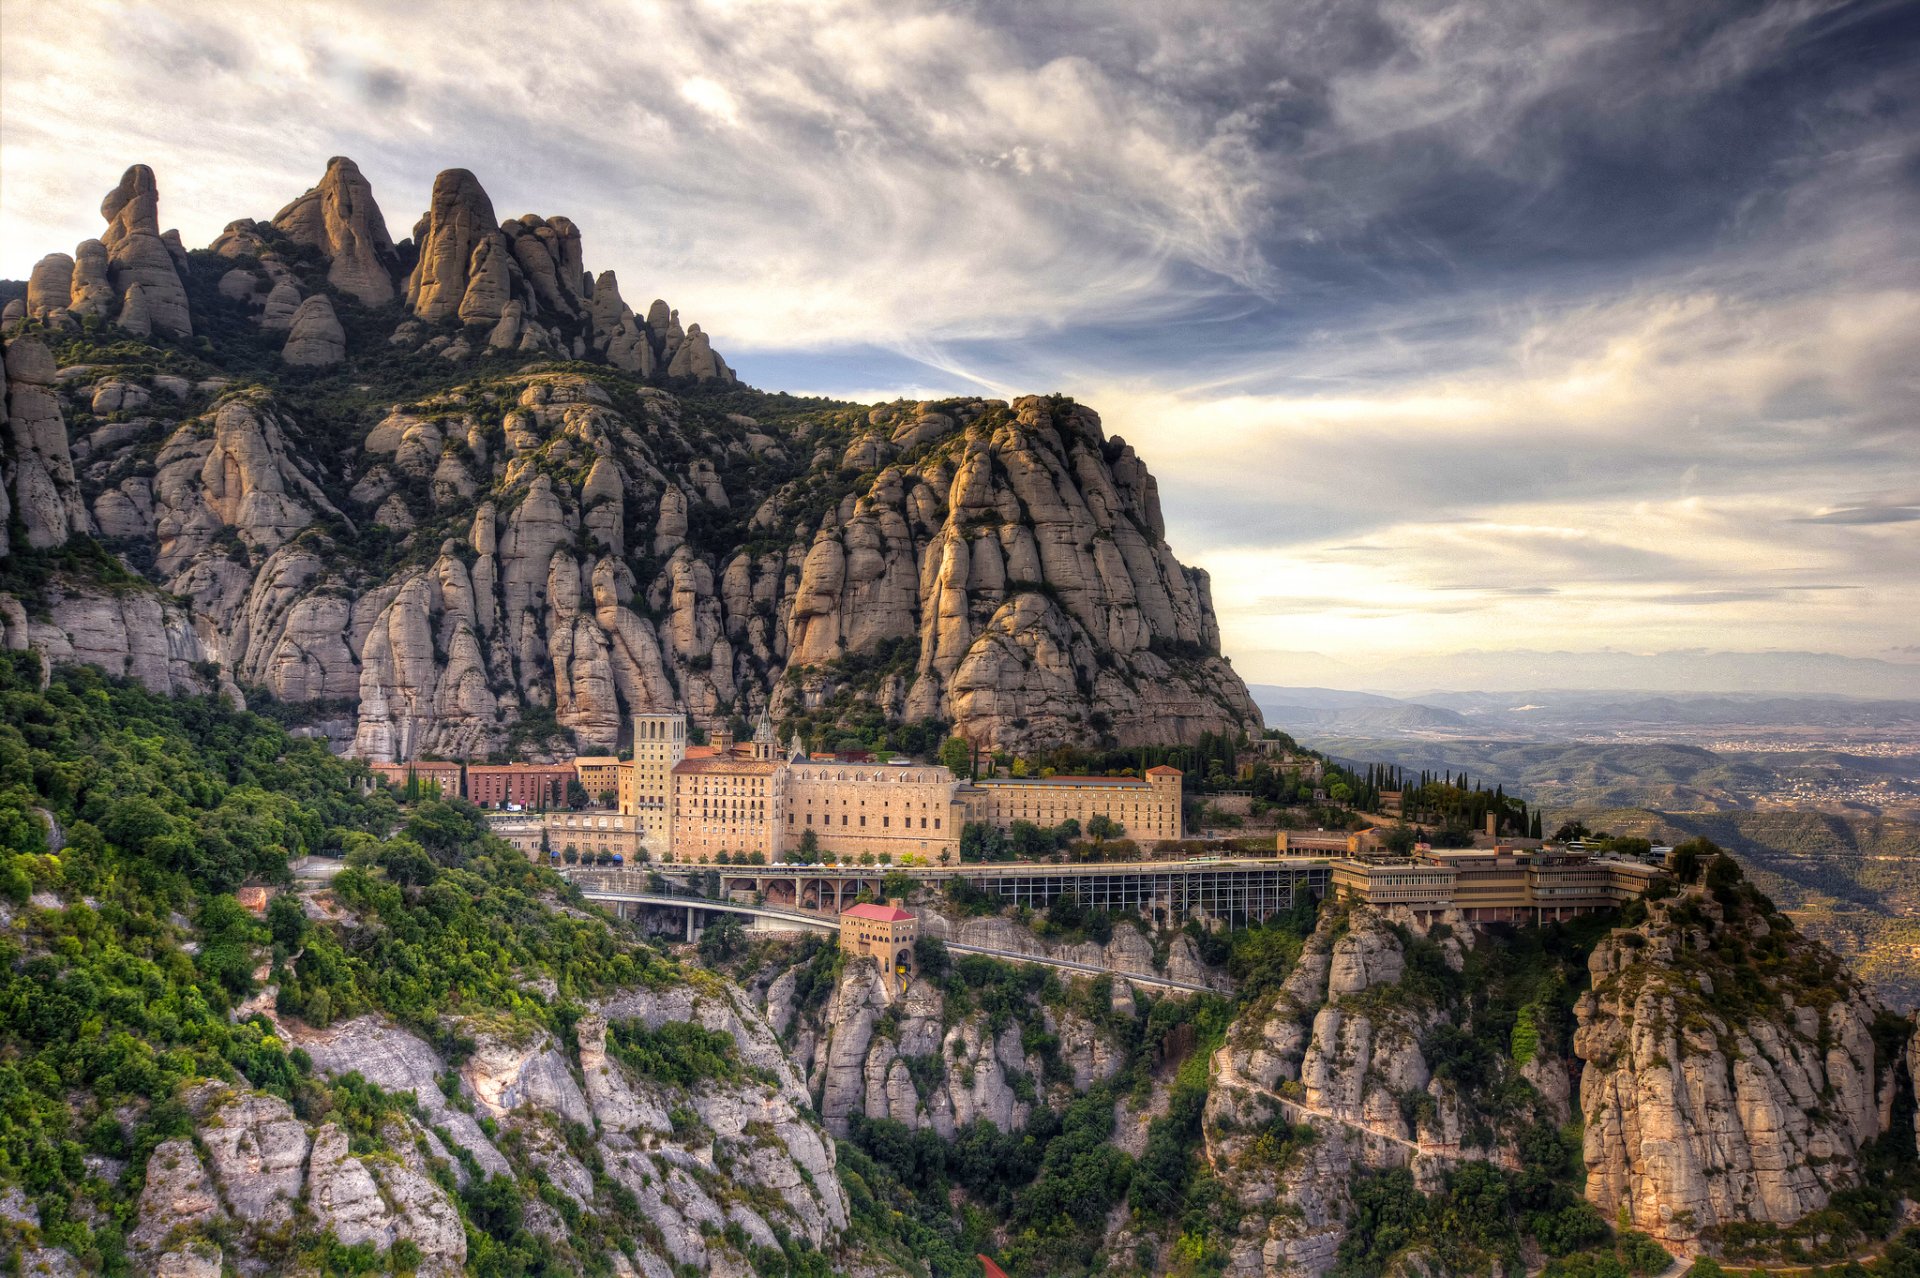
point(430, 1056)
point(453, 494)
point(1735, 1073)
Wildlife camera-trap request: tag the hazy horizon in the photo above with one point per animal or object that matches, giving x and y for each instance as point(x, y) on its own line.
point(1445, 328)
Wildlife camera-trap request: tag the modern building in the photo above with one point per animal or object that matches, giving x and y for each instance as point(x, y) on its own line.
point(885, 933)
point(1502, 884)
point(599, 776)
point(1318, 843)
point(525, 785)
point(1147, 809)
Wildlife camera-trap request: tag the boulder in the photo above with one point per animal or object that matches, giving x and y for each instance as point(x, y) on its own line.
point(315, 338)
point(50, 286)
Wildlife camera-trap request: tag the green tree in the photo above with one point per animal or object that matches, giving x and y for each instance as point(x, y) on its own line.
point(287, 922)
point(722, 940)
point(956, 756)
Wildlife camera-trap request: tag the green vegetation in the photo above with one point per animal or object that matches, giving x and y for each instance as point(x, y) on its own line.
point(678, 1052)
point(126, 822)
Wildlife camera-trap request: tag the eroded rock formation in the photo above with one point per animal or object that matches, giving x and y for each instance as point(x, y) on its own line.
point(1706, 1106)
point(572, 541)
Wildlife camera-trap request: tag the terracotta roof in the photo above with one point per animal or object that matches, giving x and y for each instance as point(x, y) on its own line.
point(1164, 771)
point(724, 765)
point(879, 913)
point(1124, 781)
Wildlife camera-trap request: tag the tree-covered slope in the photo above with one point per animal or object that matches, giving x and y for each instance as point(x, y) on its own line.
point(433, 1061)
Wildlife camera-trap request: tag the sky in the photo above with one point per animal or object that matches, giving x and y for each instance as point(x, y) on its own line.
point(1445, 326)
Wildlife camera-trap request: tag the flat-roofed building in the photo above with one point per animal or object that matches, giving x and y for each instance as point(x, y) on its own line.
point(1317, 843)
point(596, 833)
point(599, 776)
point(1146, 808)
point(1494, 885)
point(526, 785)
point(592, 835)
point(880, 809)
point(885, 933)
point(1400, 881)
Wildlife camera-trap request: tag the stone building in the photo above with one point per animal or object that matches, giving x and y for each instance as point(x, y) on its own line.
point(882, 809)
point(646, 780)
point(599, 775)
point(728, 800)
point(1148, 808)
point(884, 933)
point(441, 776)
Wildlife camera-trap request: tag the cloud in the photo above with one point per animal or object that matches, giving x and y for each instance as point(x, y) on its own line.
point(1867, 515)
point(1438, 322)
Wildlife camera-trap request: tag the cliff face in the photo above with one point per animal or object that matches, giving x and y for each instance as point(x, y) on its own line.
point(741, 1157)
point(421, 569)
point(929, 1061)
point(1342, 1050)
point(1734, 1071)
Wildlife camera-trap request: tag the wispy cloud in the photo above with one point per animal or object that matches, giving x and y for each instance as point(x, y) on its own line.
point(1521, 321)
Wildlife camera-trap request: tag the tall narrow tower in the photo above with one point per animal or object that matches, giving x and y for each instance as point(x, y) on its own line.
point(646, 783)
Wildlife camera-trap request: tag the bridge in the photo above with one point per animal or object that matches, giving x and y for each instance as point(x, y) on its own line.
point(694, 906)
point(1251, 888)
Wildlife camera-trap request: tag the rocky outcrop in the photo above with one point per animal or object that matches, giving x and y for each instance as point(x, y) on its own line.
point(913, 1059)
point(458, 224)
point(315, 338)
point(548, 540)
point(1705, 1108)
point(93, 294)
point(138, 256)
point(1338, 1048)
point(50, 286)
point(340, 218)
point(45, 494)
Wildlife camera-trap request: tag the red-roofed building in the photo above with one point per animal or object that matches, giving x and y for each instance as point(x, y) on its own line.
point(728, 799)
point(526, 785)
point(884, 933)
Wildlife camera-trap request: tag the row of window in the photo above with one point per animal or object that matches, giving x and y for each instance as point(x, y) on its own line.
point(886, 822)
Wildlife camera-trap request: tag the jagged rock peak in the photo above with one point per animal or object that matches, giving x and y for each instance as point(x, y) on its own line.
point(458, 222)
point(341, 218)
point(136, 253)
point(1706, 1106)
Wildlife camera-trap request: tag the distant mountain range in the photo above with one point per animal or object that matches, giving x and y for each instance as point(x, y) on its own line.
point(1693, 671)
point(1556, 715)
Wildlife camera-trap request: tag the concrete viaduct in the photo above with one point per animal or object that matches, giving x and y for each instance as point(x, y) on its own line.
point(624, 901)
point(1247, 888)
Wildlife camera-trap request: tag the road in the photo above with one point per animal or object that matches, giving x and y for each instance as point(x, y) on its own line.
point(827, 924)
